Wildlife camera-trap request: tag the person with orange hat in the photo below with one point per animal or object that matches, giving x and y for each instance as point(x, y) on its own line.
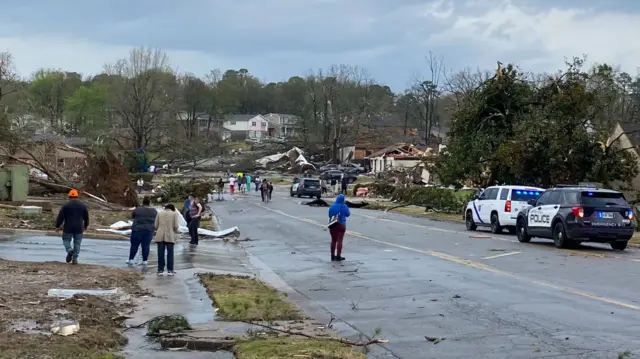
point(73, 220)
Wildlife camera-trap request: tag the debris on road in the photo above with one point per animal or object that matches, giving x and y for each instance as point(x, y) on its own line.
point(65, 328)
point(323, 203)
point(434, 340)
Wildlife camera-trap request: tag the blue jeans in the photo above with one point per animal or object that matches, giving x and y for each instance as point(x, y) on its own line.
point(140, 237)
point(77, 241)
point(162, 246)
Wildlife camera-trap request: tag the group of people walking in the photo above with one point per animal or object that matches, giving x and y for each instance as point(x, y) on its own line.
point(73, 221)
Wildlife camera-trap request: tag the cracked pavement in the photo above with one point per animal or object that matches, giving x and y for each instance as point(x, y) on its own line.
point(414, 277)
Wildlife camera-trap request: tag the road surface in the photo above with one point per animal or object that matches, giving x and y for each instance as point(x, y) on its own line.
point(488, 295)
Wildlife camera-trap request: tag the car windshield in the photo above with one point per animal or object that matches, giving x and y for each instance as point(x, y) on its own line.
point(312, 182)
point(525, 195)
point(603, 199)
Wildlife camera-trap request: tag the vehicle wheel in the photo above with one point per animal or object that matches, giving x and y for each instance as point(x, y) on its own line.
point(496, 228)
point(291, 193)
point(512, 230)
point(299, 195)
point(318, 197)
point(619, 245)
point(521, 231)
point(469, 223)
point(560, 236)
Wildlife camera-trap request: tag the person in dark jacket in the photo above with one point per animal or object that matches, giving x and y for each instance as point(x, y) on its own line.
point(73, 220)
point(144, 219)
point(185, 209)
point(337, 230)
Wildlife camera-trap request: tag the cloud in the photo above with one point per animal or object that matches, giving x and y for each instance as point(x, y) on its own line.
point(276, 39)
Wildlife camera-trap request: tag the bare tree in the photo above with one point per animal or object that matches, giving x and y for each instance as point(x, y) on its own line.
point(7, 77)
point(193, 98)
point(143, 97)
point(214, 103)
point(427, 91)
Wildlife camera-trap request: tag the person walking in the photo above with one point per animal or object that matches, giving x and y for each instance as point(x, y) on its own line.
point(232, 184)
point(240, 182)
point(195, 212)
point(264, 190)
point(142, 229)
point(220, 189)
point(338, 213)
point(248, 181)
point(73, 220)
point(345, 185)
point(257, 182)
point(166, 225)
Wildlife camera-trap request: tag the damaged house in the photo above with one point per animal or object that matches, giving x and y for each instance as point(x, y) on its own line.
point(403, 156)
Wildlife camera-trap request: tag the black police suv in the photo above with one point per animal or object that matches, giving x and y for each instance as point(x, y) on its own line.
point(573, 214)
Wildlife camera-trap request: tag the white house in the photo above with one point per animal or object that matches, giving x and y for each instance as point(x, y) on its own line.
point(253, 127)
point(281, 125)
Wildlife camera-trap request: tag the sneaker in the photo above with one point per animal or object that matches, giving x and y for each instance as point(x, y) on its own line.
point(145, 263)
point(69, 257)
point(74, 261)
point(129, 262)
point(334, 258)
point(160, 274)
point(171, 273)
point(340, 259)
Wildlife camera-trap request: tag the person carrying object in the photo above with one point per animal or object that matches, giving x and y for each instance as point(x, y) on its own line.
point(142, 229)
point(338, 214)
point(72, 220)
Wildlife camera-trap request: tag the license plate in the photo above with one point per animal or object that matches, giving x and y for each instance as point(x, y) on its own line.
point(605, 214)
point(604, 224)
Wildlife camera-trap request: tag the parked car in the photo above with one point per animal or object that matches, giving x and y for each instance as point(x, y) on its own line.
point(329, 167)
point(352, 168)
point(337, 175)
point(306, 187)
point(573, 214)
point(497, 207)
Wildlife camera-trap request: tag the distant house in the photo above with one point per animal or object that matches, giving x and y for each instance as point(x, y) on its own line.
point(281, 125)
point(204, 123)
point(254, 127)
point(627, 136)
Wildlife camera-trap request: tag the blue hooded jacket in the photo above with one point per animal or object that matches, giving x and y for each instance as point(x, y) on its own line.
point(340, 208)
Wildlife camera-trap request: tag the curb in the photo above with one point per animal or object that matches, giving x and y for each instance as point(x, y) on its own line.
point(37, 232)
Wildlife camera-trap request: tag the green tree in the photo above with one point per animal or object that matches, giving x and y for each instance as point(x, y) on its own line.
point(87, 110)
point(48, 93)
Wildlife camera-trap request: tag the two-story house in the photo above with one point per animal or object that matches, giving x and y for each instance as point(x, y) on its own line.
point(238, 127)
point(281, 125)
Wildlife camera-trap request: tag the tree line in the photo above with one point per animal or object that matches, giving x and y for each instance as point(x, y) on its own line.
point(503, 126)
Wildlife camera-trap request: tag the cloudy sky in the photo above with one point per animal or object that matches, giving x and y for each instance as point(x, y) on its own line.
point(276, 39)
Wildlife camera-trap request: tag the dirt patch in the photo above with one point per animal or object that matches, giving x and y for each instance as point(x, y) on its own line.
point(295, 348)
point(248, 299)
point(27, 313)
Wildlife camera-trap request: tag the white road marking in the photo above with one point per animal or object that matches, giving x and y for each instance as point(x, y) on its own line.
point(502, 255)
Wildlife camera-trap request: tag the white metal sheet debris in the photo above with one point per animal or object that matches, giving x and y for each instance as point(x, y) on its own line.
point(68, 293)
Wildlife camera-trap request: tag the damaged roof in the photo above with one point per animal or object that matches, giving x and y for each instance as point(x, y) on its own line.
point(399, 150)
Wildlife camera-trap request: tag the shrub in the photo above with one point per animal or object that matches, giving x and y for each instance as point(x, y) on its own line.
point(438, 199)
point(382, 189)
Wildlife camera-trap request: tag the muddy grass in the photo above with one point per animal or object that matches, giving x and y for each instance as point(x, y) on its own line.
point(26, 313)
point(46, 220)
point(295, 348)
point(248, 299)
point(415, 211)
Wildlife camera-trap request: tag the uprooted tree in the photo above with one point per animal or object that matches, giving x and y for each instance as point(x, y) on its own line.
point(512, 129)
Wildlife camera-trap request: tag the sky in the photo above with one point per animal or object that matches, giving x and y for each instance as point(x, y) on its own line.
point(277, 39)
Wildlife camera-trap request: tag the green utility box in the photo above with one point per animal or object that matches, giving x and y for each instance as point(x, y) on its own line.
point(14, 183)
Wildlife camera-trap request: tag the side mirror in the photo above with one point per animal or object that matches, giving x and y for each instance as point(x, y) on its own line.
point(474, 197)
point(532, 202)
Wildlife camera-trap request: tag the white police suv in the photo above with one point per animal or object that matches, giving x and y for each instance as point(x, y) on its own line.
point(497, 207)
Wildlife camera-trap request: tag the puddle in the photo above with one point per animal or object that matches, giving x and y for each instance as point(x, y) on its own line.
point(201, 309)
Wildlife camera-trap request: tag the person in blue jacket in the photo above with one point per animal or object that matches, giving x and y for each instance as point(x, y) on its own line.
point(338, 213)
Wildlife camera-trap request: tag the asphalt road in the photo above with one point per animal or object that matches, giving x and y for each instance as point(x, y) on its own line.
point(489, 296)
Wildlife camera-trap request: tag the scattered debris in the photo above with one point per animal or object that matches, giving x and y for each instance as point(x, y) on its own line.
point(65, 328)
point(68, 293)
point(434, 340)
point(323, 203)
point(165, 324)
point(456, 297)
